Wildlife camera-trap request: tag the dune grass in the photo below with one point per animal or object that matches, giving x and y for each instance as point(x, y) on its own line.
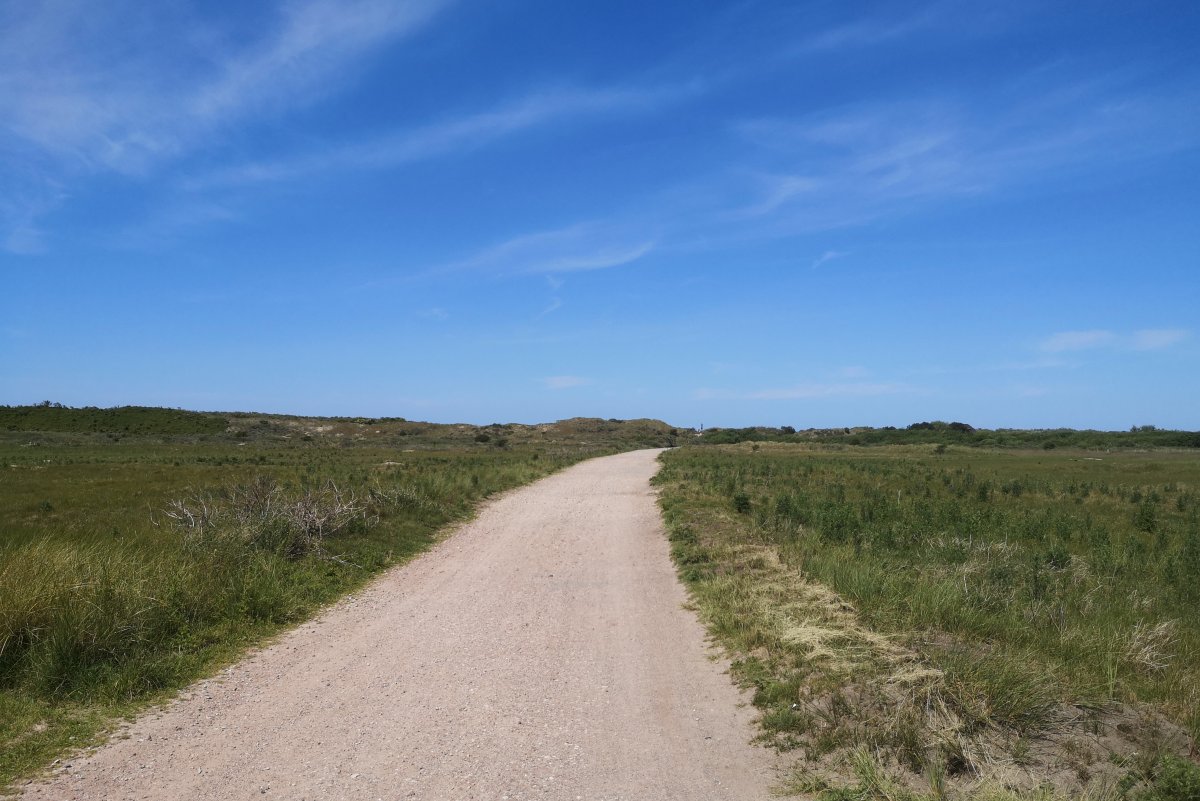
point(112, 598)
point(964, 614)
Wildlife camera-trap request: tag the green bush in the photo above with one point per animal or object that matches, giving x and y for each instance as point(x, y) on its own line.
point(1175, 779)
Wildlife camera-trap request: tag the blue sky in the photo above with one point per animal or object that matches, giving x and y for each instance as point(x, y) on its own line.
point(801, 213)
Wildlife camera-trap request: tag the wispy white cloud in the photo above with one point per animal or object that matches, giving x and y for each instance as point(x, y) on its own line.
point(827, 257)
point(807, 391)
point(453, 135)
point(15, 333)
point(1145, 339)
point(1046, 363)
point(128, 87)
point(777, 191)
point(1029, 391)
point(1077, 340)
point(976, 367)
point(845, 390)
point(565, 381)
point(862, 162)
point(849, 165)
point(863, 33)
point(575, 248)
point(575, 261)
point(160, 228)
point(24, 240)
point(24, 198)
point(1157, 338)
point(949, 18)
point(878, 159)
point(314, 41)
point(104, 88)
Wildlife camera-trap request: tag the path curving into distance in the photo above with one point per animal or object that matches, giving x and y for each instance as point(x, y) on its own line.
point(540, 652)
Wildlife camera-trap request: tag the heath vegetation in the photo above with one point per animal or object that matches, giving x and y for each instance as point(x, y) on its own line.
point(142, 548)
point(933, 620)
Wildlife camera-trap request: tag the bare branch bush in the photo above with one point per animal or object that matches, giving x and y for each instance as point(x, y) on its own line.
point(265, 514)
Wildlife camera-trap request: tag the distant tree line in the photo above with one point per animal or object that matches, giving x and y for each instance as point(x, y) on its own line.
point(48, 416)
point(939, 432)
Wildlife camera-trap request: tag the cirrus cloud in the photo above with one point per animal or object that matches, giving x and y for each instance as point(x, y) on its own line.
point(856, 389)
point(1143, 339)
point(565, 381)
point(1157, 338)
point(1077, 340)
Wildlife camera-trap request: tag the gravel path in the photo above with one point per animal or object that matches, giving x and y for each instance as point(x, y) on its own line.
point(541, 651)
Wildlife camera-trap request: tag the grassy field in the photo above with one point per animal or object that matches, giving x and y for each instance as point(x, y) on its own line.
point(932, 621)
point(143, 548)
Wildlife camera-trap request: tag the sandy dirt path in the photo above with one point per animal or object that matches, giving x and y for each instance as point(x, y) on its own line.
point(541, 651)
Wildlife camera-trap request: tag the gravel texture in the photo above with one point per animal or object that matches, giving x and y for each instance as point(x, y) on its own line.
point(542, 651)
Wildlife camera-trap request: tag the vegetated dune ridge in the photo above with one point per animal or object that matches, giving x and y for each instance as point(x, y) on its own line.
point(542, 651)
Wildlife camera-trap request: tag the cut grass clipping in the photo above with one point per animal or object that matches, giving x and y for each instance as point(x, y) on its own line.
point(960, 623)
